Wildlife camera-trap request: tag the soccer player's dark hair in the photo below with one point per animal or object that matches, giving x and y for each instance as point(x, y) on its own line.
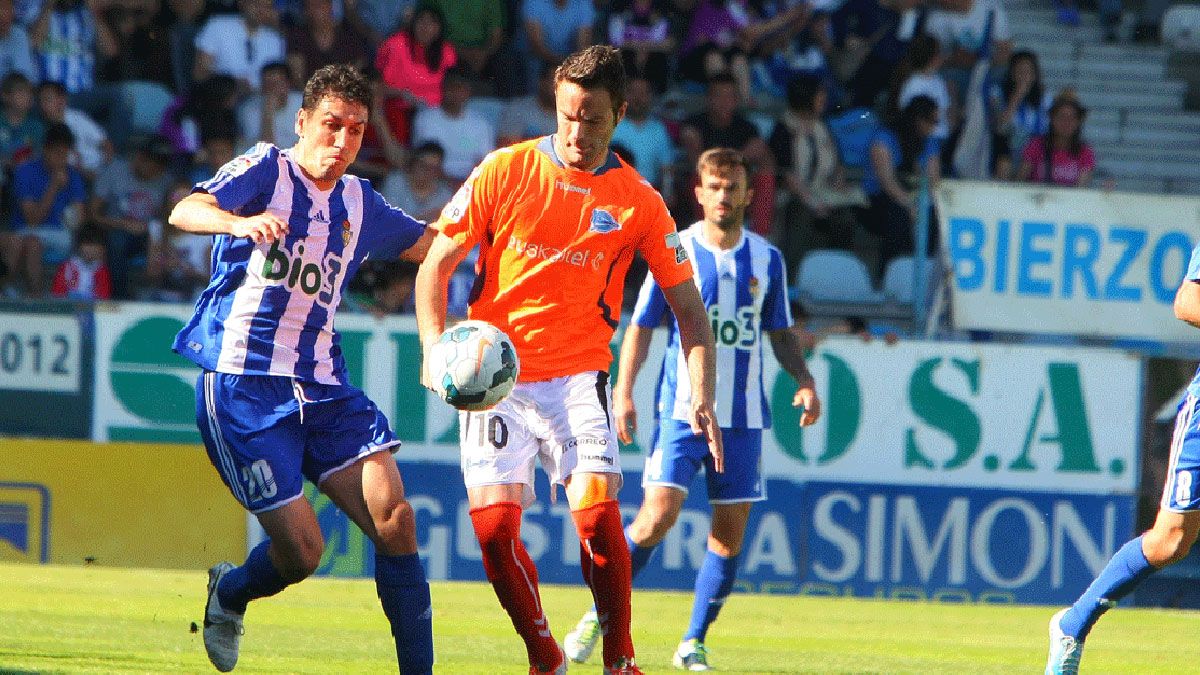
point(596, 67)
point(337, 80)
point(722, 162)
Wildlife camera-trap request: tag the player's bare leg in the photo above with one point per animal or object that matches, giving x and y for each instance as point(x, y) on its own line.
point(290, 553)
point(714, 581)
point(496, 517)
point(371, 494)
point(1166, 543)
point(604, 559)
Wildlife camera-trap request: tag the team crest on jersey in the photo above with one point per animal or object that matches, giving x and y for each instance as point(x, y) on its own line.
point(672, 241)
point(753, 286)
point(346, 233)
point(603, 222)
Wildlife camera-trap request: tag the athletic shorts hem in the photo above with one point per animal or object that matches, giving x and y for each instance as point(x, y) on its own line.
point(350, 462)
point(663, 483)
point(1175, 509)
point(562, 480)
point(274, 505)
point(740, 500)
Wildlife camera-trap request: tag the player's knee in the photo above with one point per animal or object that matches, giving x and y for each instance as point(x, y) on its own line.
point(300, 559)
point(397, 525)
point(1167, 546)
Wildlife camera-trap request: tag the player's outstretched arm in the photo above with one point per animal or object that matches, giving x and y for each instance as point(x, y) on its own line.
point(634, 348)
point(429, 294)
point(199, 213)
point(789, 351)
point(418, 251)
point(696, 338)
point(1187, 302)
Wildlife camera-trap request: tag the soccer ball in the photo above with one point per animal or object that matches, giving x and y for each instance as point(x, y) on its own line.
point(473, 365)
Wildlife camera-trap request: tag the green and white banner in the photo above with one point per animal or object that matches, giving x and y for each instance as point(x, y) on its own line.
point(917, 413)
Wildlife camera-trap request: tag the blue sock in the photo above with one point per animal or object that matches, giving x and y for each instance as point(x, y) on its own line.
point(404, 594)
point(714, 582)
point(1127, 568)
point(256, 578)
point(638, 555)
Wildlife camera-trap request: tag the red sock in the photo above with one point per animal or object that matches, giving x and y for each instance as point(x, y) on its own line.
point(515, 579)
point(604, 557)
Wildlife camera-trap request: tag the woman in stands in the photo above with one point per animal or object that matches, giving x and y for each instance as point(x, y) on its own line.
point(1021, 108)
point(899, 155)
point(412, 64)
point(1060, 157)
point(818, 211)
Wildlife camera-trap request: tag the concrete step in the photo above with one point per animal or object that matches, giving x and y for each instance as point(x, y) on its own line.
point(1020, 17)
point(1149, 167)
point(1179, 121)
point(1130, 100)
point(1120, 151)
point(1119, 85)
point(1033, 34)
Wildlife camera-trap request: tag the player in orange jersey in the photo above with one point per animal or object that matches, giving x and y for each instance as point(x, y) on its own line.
point(558, 220)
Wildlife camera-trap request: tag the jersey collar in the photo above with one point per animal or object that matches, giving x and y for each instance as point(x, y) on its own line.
point(698, 236)
point(546, 145)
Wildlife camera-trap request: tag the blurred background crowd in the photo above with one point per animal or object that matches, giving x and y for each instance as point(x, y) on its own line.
point(110, 110)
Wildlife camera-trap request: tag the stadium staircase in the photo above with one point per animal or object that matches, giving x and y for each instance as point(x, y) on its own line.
point(1143, 137)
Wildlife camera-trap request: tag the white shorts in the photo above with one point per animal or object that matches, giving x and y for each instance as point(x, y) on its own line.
point(565, 422)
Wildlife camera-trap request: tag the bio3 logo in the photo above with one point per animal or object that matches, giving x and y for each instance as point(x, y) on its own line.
point(295, 272)
point(739, 331)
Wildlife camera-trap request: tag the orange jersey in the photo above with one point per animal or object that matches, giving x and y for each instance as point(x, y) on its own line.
point(555, 244)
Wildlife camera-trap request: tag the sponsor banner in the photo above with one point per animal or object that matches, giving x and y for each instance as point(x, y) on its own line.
point(950, 544)
point(931, 413)
point(44, 365)
point(1067, 261)
point(958, 544)
point(120, 504)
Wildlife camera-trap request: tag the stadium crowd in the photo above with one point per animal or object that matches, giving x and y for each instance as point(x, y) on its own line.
point(840, 107)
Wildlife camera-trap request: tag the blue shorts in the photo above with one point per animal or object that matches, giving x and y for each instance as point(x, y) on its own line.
point(265, 434)
point(677, 455)
point(1181, 492)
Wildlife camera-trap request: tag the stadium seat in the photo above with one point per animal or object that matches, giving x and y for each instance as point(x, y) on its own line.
point(835, 283)
point(143, 103)
point(898, 279)
point(1180, 28)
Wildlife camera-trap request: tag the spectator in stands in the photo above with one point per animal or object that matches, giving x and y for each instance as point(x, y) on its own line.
point(21, 129)
point(239, 45)
point(143, 47)
point(384, 287)
point(788, 54)
point(178, 262)
point(49, 195)
point(127, 196)
point(818, 204)
point(891, 180)
point(68, 37)
point(721, 124)
point(643, 34)
point(645, 135)
point(210, 104)
point(922, 63)
point(188, 19)
point(420, 191)
point(959, 26)
point(721, 36)
point(16, 56)
point(464, 134)
point(218, 148)
point(269, 116)
point(1020, 110)
point(554, 29)
point(375, 20)
point(413, 62)
point(528, 117)
point(93, 150)
point(321, 40)
point(476, 29)
point(1060, 157)
point(84, 275)
point(872, 36)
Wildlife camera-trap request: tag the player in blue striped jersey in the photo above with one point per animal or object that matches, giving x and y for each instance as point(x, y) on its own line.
point(273, 400)
point(742, 281)
point(1175, 529)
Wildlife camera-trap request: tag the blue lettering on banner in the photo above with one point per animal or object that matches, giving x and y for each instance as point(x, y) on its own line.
point(1073, 260)
point(24, 522)
point(934, 543)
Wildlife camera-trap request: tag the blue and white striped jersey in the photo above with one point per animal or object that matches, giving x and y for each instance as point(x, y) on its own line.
point(745, 292)
point(269, 307)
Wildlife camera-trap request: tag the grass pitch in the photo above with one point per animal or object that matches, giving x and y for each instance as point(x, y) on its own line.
point(102, 620)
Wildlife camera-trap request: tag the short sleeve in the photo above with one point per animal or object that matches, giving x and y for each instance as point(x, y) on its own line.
point(466, 216)
point(661, 247)
point(243, 178)
point(1193, 270)
point(776, 313)
point(651, 305)
point(392, 231)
